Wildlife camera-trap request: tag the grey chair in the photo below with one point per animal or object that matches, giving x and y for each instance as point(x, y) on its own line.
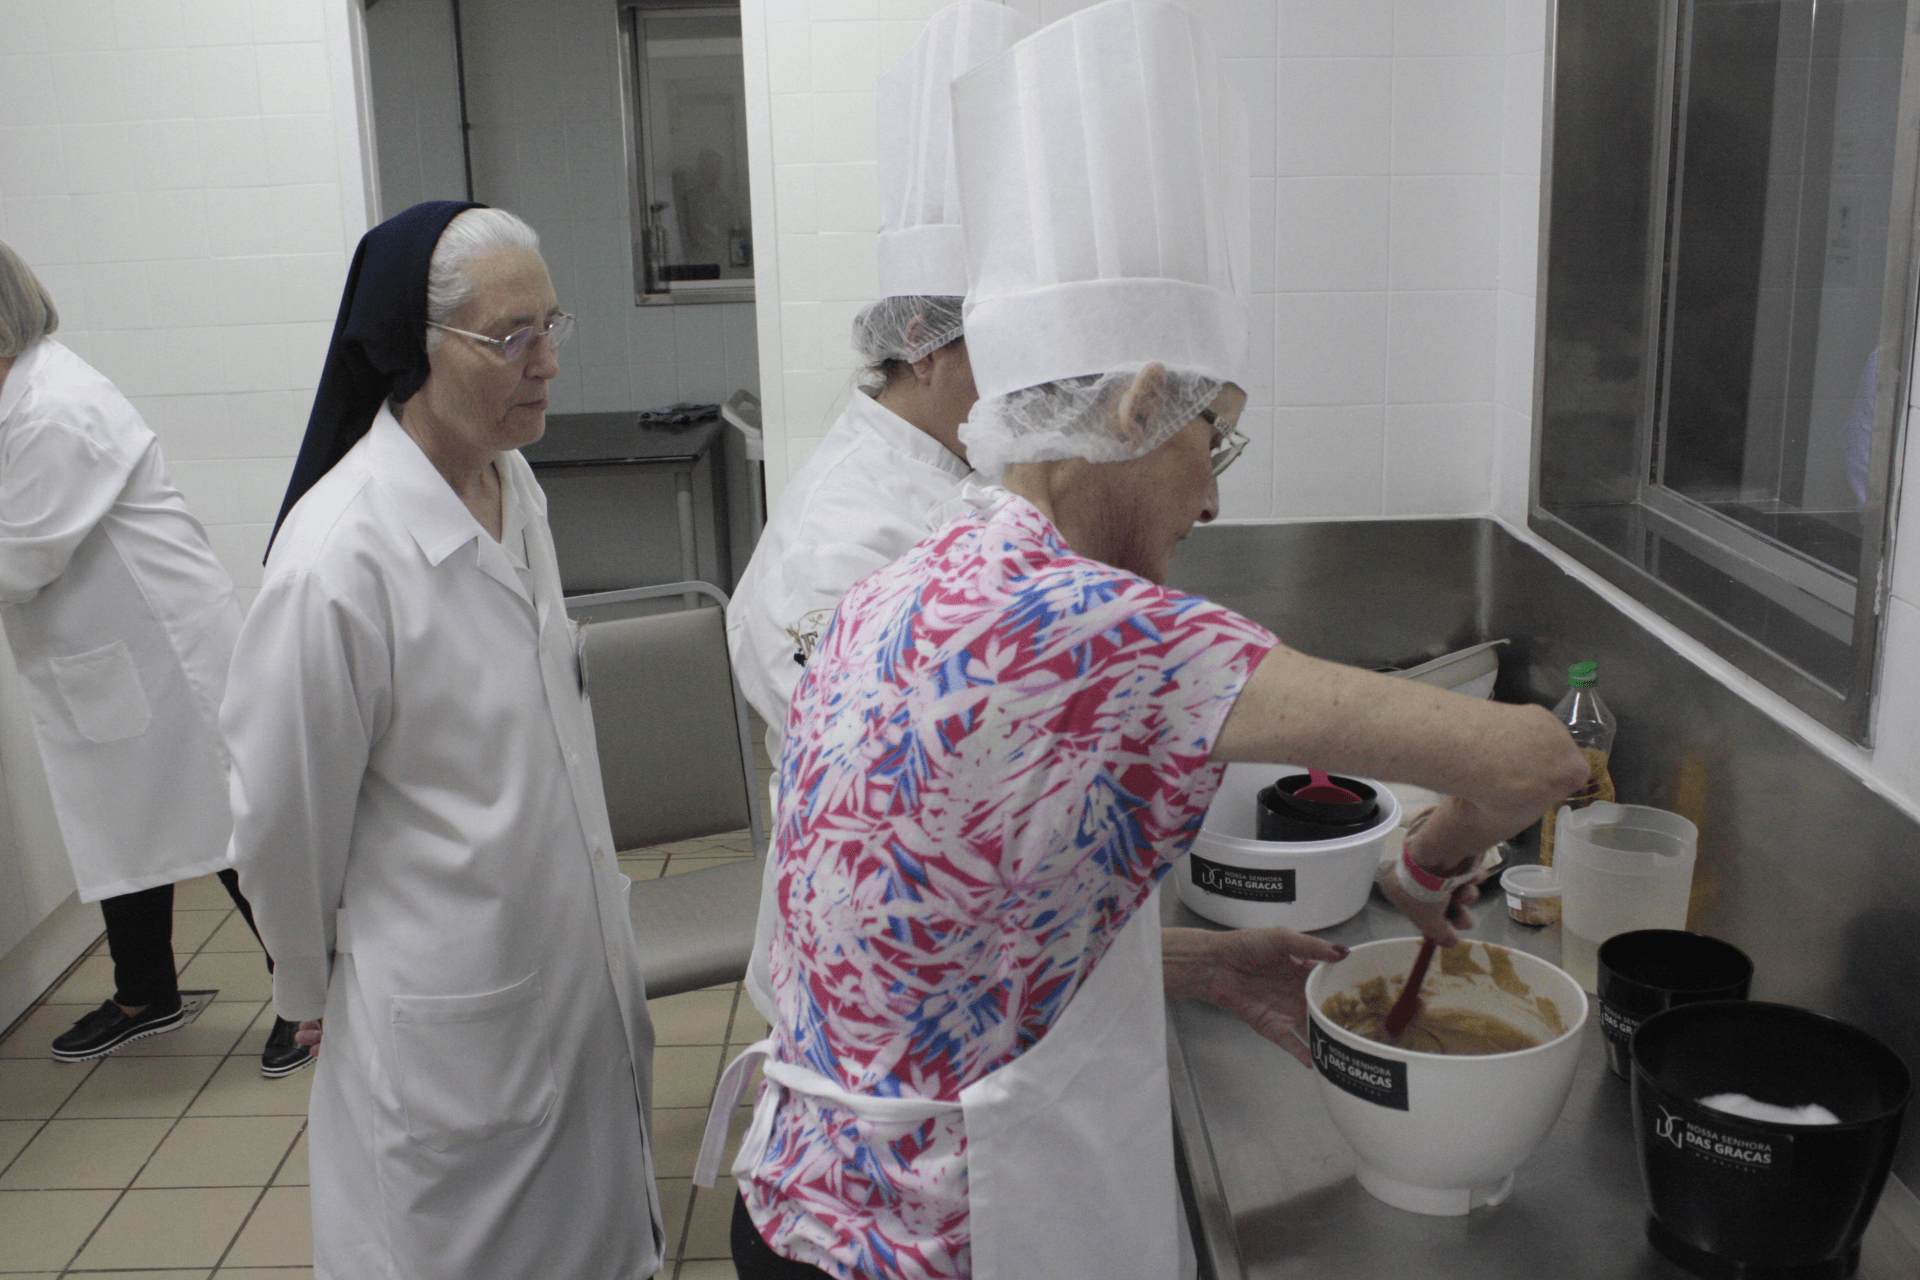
point(677, 762)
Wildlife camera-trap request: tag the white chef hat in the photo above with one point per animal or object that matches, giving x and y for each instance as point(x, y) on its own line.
point(922, 250)
point(923, 255)
point(1104, 187)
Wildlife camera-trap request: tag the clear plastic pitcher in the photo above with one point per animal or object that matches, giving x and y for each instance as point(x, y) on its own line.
point(1622, 867)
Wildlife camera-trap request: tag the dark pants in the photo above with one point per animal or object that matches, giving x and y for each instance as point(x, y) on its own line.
point(140, 939)
point(753, 1260)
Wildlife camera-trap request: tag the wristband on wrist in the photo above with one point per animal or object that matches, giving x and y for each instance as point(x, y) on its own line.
point(1424, 885)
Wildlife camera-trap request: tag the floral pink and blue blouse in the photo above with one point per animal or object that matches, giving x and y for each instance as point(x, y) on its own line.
point(995, 753)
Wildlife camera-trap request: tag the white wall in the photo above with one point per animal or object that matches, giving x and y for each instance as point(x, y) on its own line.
point(548, 142)
point(1377, 163)
point(184, 176)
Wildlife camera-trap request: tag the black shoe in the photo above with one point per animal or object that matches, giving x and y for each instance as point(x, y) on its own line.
point(282, 1057)
point(107, 1028)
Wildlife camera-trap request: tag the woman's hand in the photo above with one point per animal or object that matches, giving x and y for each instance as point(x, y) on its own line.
point(309, 1035)
point(1435, 839)
point(1257, 975)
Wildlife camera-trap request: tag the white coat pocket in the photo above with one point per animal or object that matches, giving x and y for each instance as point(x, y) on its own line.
point(103, 694)
point(471, 1067)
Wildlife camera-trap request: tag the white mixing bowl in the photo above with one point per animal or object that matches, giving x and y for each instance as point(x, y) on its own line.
point(1234, 878)
point(1443, 1133)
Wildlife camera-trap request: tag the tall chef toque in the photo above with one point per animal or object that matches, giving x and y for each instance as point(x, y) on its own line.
point(1104, 188)
point(923, 254)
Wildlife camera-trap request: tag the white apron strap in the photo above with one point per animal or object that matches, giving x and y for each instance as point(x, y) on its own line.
point(790, 1077)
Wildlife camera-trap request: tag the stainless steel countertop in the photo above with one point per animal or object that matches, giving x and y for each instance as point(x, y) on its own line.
point(1271, 1186)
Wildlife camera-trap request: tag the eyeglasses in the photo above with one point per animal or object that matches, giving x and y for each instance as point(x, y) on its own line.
point(1227, 441)
point(517, 345)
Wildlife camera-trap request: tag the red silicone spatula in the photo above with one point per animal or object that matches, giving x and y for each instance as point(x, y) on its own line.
point(1409, 1002)
point(1321, 789)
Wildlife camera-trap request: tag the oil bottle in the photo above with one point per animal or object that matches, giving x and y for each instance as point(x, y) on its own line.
point(1592, 727)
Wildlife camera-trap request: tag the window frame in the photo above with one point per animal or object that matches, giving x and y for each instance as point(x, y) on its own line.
point(1595, 497)
point(640, 192)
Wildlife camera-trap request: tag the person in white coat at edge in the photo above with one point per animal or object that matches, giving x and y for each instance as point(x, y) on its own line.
point(894, 456)
point(122, 621)
point(1007, 736)
point(418, 813)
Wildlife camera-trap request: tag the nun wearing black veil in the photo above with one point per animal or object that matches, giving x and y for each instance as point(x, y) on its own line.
point(418, 812)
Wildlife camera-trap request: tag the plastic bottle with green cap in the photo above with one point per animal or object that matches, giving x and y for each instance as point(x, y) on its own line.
point(1592, 727)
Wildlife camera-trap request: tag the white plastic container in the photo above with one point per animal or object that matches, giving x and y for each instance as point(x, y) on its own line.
point(1622, 867)
point(1442, 1133)
point(1233, 878)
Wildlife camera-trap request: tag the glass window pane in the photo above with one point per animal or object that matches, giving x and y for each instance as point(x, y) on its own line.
point(1782, 185)
point(694, 118)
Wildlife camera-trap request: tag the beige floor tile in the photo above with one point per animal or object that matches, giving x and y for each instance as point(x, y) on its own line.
point(293, 1173)
point(132, 1087)
point(707, 1269)
point(280, 1233)
point(237, 1089)
point(232, 935)
point(74, 1154)
point(168, 1228)
point(43, 1228)
point(191, 929)
point(14, 1136)
point(710, 1224)
point(204, 894)
point(676, 1140)
point(221, 1151)
point(674, 1194)
point(237, 975)
point(697, 1017)
point(642, 868)
point(90, 982)
point(32, 1036)
point(172, 1273)
point(212, 1034)
point(748, 1025)
point(259, 1273)
point(696, 845)
point(685, 1076)
point(255, 1038)
point(35, 1088)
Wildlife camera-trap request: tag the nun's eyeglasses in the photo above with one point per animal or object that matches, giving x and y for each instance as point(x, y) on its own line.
point(517, 345)
point(1227, 441)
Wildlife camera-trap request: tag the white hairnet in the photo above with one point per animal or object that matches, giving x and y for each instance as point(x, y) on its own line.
point(907, 328)
point(1075, 418)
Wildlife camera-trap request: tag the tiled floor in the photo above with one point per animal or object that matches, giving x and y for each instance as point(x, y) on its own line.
point(173, 1160)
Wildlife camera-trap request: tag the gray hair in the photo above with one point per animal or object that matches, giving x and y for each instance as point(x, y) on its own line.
point(470, 236)
point(1076, 418)
point(899, 331)
point(27, 313)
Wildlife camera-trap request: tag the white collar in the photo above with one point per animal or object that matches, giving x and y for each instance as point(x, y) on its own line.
point(904, 436)
point(25, 365)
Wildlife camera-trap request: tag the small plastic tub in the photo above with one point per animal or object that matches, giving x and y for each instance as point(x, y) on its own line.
point(1533, 894)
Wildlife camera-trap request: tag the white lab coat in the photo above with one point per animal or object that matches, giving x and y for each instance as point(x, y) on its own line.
point(868, 493)
point(122, 621)
point(419, 823)
point(864, 497)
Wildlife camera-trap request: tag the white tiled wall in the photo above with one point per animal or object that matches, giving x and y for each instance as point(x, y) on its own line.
point(1380, 145)
point(184, 176)
point(543, 99)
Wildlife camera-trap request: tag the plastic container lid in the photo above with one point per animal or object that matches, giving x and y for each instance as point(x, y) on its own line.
point(1531, 881)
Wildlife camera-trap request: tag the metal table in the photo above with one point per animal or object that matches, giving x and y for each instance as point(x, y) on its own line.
point(611, 443)
point(1271, 1193)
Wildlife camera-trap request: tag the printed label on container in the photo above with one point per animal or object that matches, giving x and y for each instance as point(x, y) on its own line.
point(1238, 882)
point(1715, 1138)
point(1376, 1080)
point(1617, 1026)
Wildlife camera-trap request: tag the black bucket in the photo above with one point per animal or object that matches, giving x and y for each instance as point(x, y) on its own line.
point(1750, 1199)
point(1282, 815)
